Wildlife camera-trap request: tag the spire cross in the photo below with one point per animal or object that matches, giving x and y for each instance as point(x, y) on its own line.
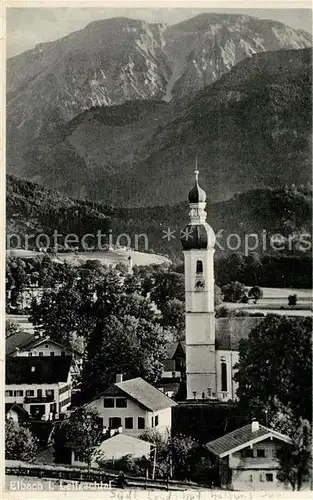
point(197, 171)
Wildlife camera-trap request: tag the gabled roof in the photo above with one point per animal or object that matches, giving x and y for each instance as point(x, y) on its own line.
point(229, 331)
point(37, 369)
point(17, 408)
point(25, 341)
point(242, 438)
point(142, 392)
point(172, 347)
point(17, 340)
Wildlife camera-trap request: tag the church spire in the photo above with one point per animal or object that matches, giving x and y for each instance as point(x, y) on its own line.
point(196, 195)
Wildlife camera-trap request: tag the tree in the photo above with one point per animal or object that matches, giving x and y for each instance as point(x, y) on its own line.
point(173, 315)
point(20, 443)
point(256, 293)
point(295, 460)
point(292, 300)
point(275, 364)
point(11, 328)
point(234, 291)
point(167, 286)
point(81, 432)
point(128, 345)
point(218, 296)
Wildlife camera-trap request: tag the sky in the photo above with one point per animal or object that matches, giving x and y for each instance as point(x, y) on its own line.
point(26, 27)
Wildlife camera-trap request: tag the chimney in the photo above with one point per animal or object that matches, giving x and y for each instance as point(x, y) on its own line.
point(119, 377)
point(254, 425)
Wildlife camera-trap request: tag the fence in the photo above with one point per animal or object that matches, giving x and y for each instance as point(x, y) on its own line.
point(93, 475)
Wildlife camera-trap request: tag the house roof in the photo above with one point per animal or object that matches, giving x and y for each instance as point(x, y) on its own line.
point(37, 369)
point(241, 438)
point(25, 340)
point(16, 407)
point(18, 340)
point(123, 444)
point(141, 391)
point(171, 348)
point(229, 331)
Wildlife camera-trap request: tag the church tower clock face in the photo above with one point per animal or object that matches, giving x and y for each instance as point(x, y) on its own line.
point(200, 284)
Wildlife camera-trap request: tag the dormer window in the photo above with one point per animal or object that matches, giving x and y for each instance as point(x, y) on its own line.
point(199, 267)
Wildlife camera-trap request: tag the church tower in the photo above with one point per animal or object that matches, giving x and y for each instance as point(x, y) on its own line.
point(198, 240)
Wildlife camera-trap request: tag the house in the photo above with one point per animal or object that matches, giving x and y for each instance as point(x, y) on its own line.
point(15, 412)
point(114, 448)
point(174, 369)
point(23, 343)
point(248, 457)
point(133, 406)
point(40, 385)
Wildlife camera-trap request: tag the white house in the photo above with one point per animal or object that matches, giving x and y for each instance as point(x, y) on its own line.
point(133, 406)
point(248, 457)
point(41, 385)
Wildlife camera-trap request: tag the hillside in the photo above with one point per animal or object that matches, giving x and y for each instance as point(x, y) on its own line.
point(32, 209)
point(251, 129)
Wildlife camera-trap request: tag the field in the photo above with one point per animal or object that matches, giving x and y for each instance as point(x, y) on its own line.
point(275, 301)
point(110, 257)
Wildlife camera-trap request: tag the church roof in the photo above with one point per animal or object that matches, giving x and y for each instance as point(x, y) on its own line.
point(197, 194)
point(229, 331)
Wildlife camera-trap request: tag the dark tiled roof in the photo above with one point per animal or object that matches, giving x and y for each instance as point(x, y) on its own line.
point(172, 347)
point(47, 370)
point(18, 340)
point(229, 331)
point(142, 392)
point(16, 407)
point(239, 438)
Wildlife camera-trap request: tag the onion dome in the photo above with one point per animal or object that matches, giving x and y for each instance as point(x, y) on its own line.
point(198, 237)
point(197, 195)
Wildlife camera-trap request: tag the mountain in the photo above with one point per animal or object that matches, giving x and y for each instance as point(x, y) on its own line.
point(116, 60)
point(252, 128)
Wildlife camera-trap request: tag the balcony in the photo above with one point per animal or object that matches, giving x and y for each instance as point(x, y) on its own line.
point(40, 399)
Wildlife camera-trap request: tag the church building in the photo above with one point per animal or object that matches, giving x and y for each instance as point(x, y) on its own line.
point(211, 352)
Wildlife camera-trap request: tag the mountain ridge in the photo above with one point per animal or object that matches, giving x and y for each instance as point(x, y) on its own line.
point(251, 128)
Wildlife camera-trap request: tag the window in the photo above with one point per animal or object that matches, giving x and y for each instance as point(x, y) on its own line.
point(249, 453)
point(269, 478)
point(9, 393)
point(30, 392)
point(224, 376)
point(39, 393)
point(250, 478)
point(156, 420)
point(30, 354)
point(260, 453)
point(108, 402)
point(50, 392)
point(129, 423)
point(62, 353)
point(121, 403)
point(18, 393)
point(52, 353)
point(152, 421)
point(141, 423)
point(199, 267)
point(261, 478)
point(46, 346)
point(41, 354)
